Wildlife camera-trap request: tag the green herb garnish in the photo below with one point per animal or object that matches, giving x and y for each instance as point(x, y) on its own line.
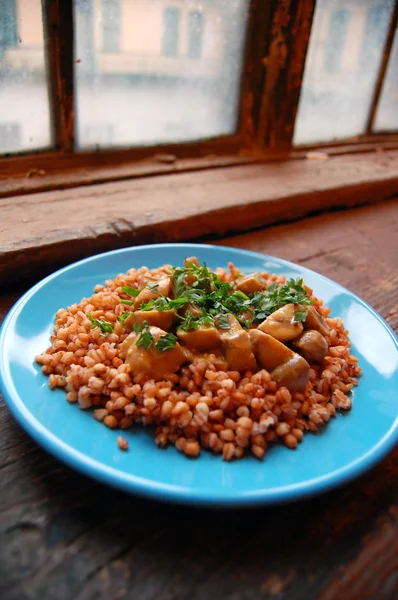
point(105, 326)
point(166, 342)
point(300, 316)
point(189, 322)
point(276, 296)
point(152, 285)
point(133, 292)
point(145, 339)
point(122, 318)
point(223, 322)
point(147, 305)
point(127, 302)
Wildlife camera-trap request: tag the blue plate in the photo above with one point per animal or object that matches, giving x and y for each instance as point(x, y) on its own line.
point(350, 444)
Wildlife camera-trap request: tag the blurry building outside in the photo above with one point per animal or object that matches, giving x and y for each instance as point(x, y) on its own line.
point(156, 71)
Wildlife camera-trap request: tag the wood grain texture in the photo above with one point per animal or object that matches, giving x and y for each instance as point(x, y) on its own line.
point(284, 67)
point(47, 171)
point(35, 229)
point(63, 536)
point(59, 43)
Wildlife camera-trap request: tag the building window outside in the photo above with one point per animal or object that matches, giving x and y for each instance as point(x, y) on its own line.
point(10, 137)
point(111, 26)
point(8, 25)
point(336, 40)
point(374, 35)
point(171, 31)
point(100, 134)
point(195, 34)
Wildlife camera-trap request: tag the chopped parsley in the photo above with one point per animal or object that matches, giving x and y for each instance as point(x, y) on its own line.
point(147, 305)
point(223, 322)
point(133, 292)
point(166, 342)
point(105, 326)
point(189, 322)
point(276, 296)
point(122, 318)
point(127, 302)
point(152, 285)
point(145, 338)
point(300, 316)
point(202, 280)
point(216, 299)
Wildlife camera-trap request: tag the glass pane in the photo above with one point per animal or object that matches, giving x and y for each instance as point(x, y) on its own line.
point(387, 111)
point(24, 104)
point(157, 71)
point(344, 55)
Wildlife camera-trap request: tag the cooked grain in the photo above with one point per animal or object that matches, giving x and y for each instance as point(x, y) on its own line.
point(201, 405)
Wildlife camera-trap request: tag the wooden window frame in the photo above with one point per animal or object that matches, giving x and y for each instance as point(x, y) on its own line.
point(278, 33)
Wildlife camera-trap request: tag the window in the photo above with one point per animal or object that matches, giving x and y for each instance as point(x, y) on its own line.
point(134, 78)
point(98, 134)
point(336, 39)
point(337, 92)
point(387, 111)
point(10, 136)
point(84, 34)
point(195, 34)
point(171, 31)
point(8, 25)
point(374, 34)
point(147, 97)
point(24, 103)
point(111, 26)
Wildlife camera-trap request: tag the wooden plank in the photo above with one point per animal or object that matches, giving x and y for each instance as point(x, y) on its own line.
point(39, 180)
point(257, 42)
point(383, 68)
point(35, 228)
point(58, 27)
point(63, 535)
point(284, 63)
point(56, 162)
point(160, 164)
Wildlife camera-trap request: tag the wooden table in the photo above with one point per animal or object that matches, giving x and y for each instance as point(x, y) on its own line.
point(65, 536)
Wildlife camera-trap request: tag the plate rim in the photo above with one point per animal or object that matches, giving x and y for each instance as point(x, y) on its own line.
point(144, 487)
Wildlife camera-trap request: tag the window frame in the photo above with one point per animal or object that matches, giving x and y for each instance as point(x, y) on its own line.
point(277, 37)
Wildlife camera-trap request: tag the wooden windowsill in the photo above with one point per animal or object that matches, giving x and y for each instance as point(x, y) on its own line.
point(42, 231)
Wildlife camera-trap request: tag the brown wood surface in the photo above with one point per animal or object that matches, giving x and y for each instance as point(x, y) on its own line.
point(36, 229)
point(64, 536)
point(59, 43)
point(47, 172)
point(284, 67)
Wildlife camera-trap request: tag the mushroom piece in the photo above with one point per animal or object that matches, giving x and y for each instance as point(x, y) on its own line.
point(312, 345)
point(293, 373)
point(150, 361)
point(247, 315)
point(251, 283)
point(144, 279)
point(236, 346)
point(163, 319)
point(315, 321)
point(163, 287)
point(193, 308)
point(282, 325)
point(203, 338)
point(269, 352)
